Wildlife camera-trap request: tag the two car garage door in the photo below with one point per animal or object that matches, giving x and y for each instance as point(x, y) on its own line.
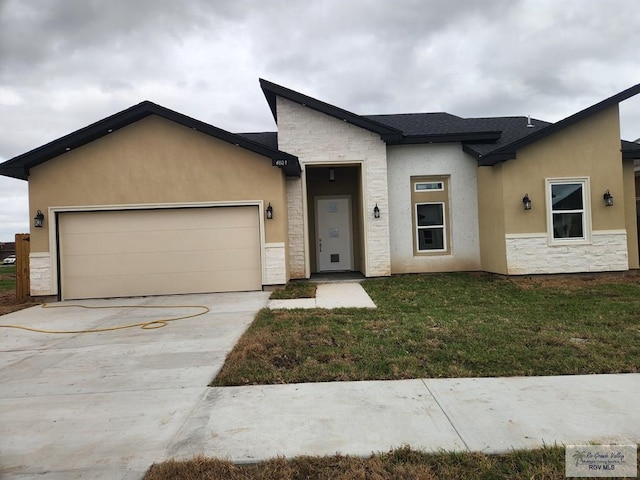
point(157, 252)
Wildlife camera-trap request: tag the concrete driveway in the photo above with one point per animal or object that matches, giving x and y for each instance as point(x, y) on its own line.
point(108, 405)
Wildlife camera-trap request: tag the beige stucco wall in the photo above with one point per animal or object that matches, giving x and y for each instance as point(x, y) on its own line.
point(588, 149)
point(630, 213)
point(493, 255)
point(156, 161)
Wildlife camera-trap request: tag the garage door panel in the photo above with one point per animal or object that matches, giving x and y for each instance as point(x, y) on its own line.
point(150, 285)
point(165, 220)
point(146, 241)
point(157, 263)
point(155, 252)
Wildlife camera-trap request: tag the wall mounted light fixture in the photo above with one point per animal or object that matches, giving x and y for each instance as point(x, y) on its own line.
point(269, 212)
point(38, 220)
point(608, 199)
point(332, 174)
point(376, 211)
point(526, 202)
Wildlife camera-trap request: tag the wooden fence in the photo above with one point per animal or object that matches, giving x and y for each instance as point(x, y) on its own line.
point(23, 247)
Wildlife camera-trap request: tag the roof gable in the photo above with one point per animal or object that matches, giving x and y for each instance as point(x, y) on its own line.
point(508, 151)
point(271, 91)
point(18, 167)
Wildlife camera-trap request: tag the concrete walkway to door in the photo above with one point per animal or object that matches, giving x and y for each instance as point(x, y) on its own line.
point(108, 405)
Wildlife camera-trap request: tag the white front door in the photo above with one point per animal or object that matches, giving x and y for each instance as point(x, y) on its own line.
point(333, 234)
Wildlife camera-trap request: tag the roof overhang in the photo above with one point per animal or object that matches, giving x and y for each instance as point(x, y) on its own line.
point(272, 91)
point(18, 167)
point(473, 137)
point(630, 149)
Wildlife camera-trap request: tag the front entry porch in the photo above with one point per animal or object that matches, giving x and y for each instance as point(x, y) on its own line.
point(334, 204)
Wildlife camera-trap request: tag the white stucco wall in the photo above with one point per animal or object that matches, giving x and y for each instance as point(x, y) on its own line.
point(316, 138)
point(405, 161)
point(532, 254)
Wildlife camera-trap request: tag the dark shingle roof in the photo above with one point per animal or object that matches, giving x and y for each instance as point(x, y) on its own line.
point(508, 151)
point(421, 123)
point(630, 149)
point(489, 140)
point(512, 128)
point(269, 139)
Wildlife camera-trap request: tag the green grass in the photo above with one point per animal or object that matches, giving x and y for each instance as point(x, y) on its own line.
point(448, 325)
point(295, 290)
point(7, 278)
point(404, 463)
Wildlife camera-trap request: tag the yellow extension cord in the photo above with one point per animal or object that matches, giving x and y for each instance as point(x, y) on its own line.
point(153, 324)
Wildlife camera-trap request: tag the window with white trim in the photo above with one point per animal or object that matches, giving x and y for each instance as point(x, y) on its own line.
point(430, 205)
point(568, 210)
point(430, 227)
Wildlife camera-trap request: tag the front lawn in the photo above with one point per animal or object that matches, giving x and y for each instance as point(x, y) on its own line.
point(449, 325)
point(7, 277)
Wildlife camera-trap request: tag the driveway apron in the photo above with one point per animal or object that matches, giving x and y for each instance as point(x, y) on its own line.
point(108, 405)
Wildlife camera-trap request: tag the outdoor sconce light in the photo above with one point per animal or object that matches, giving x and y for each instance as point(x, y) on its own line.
point(376, 211)
point(269, 212)
point(608, 199)
point(332, 174)
point(526, 201)
point(38, 219)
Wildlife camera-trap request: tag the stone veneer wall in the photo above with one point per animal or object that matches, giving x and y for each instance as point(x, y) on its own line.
point(532, 254)
point(318, 138)
point(275, 264)
point(40, 274)
point(295, 215)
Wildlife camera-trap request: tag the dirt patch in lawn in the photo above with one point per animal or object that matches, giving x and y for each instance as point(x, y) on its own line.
point(575, 281)
point(9, 303)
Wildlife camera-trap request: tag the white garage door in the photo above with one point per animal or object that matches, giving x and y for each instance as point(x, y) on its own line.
point(158, 252)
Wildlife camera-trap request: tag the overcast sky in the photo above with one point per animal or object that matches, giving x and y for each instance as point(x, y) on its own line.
point(67, 63)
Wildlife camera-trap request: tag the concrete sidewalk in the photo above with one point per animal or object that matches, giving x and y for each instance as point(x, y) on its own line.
point(491, 415)
point(329, 295)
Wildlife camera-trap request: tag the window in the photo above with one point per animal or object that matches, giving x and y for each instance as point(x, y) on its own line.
point(568, 213)
point(430, 205)
point(426, 186)
point(430, 226)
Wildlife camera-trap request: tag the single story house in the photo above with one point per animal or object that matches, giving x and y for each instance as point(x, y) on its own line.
point(149, 201)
